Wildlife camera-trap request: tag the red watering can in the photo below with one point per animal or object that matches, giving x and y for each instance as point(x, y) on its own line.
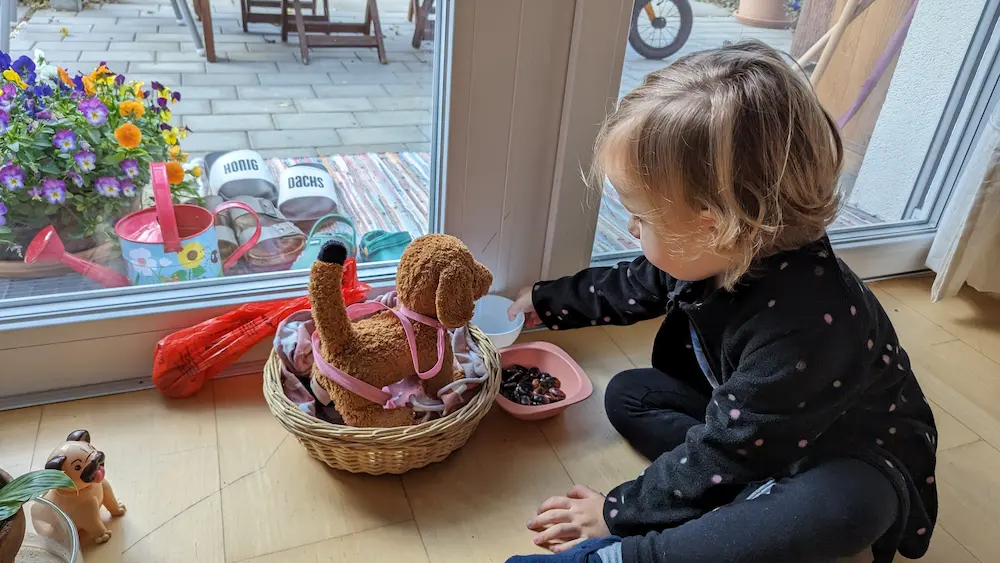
point(166, 243)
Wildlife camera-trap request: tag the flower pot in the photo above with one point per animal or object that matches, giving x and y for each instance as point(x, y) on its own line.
point(11, 530)
point(770, 14)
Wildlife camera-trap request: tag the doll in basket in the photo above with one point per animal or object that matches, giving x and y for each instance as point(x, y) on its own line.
point(438, 283)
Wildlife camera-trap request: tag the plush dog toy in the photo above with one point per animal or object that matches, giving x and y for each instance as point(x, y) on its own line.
point(84, 464)
point(438, 280)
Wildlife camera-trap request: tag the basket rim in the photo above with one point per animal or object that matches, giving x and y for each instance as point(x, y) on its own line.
point(308, 427)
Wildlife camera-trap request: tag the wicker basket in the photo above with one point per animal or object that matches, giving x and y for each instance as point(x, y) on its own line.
point(384, 450)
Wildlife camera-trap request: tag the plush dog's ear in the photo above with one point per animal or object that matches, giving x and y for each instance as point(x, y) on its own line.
point(56, 462)
point(78, 436)
point(459, 287)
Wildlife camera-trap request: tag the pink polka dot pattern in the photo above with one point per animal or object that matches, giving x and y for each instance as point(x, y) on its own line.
point(879, 441)
point(759, 442)
point(734, 414)
point(593, 323)
point(803, 443)
point(828, 318)
point(854, 311)
point(892, 430)
point(837, 383)
point(613, 512)
point(921, 531)
point(607, 319)
point(631, 301)
point(565, 312)
point(892, 407)
point(886, 358)
point(555, 327)
point(612, 500)
point(930, 480)
point(548, 313)
point(870, 344)
point(716, 479)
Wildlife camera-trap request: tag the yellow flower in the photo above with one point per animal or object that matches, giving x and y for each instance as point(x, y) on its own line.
point(137, 90)
point(196, 171)
point(103, 75)
point(191, 255)
point(63, 31)
point(128, 136)
point(165, 115)
point(170, 135)
point(175, 173)
point(175, 151)
point(129, 108)
point(184, 157)
point(183, 133)
point(15, 78)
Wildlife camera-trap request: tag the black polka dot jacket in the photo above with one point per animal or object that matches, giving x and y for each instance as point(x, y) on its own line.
point(806, 366)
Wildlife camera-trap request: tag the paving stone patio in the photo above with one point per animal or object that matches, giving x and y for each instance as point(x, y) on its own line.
point(260, 95)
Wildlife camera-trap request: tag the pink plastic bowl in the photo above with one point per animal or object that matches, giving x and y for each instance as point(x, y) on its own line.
point(550, 359)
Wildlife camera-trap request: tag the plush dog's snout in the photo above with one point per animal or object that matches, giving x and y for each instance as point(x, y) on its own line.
point(333, 252)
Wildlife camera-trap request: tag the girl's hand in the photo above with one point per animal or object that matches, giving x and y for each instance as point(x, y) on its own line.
point(564, 522)
point(523, 304)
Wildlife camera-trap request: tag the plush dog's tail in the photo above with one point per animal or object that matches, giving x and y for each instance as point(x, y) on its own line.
point(327, 298)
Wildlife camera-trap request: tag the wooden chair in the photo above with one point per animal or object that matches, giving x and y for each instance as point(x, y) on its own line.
point(424, 24)
point(251, 16)
point(315, 33)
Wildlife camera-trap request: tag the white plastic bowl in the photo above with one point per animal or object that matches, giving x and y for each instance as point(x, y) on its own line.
point(491, 317)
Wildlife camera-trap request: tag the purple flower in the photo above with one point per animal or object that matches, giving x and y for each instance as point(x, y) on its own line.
point(176, 96)
point(36, 193)
point(165, 127)
point(55, 190)
point(3, 208)
point(128, 189)
point(25, 67)
point(44, 115)
point(162, 102)
point(64, 140)
point(76, 178)
point(93, 110)
point(9, 90)
point(119, 80)
point(4, 121)
point(12, 177)
point(4, 61)
point(107, 186)
point(86, 160)
point(156, 85)
point(130, 167)
point(42, 90)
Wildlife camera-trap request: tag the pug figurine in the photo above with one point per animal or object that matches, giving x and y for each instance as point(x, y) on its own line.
point(84, 464)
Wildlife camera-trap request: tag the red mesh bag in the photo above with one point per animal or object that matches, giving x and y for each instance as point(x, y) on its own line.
point(186, 359)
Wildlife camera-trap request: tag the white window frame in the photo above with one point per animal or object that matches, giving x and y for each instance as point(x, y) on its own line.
point(872, 251)
point(506, 65)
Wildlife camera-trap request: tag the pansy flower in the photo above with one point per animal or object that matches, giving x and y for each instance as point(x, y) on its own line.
point(54, 190)
point(4, 61)
point(4, 121)
point(36, 193)
point(75, 177)
point(86, 160)
point(3, 208)
point(107, 186)
point(64, 140)
point(175, 97)
point(25, 68)
point(12, 177)
point(42, 90)
point(130, 167)
point(128, 189)
point(94, 111)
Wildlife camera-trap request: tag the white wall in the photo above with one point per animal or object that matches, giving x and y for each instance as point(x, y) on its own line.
point(930, 60)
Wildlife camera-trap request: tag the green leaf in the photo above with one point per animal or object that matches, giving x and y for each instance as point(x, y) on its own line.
point(29, 486)
point(14, 147)
point(49, 168)
point(93, 136)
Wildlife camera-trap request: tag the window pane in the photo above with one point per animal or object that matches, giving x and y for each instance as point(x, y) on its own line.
point(880, 84)
point(339, 148)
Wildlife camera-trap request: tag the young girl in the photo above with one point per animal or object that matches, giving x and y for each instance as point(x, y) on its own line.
point(781, 415)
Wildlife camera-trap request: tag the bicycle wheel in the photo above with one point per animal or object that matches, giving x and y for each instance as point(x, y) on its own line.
point(660, 27)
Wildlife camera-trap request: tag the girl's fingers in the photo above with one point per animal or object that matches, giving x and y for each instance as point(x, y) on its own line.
point(566, 531)
point(581, 492)
point(548, 518)
point(555, 503)
point(566, 545)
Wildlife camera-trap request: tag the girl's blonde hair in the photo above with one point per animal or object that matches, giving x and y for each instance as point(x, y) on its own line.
point(734, 131)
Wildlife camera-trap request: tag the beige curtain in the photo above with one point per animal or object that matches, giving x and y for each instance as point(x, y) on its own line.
point(967, 246)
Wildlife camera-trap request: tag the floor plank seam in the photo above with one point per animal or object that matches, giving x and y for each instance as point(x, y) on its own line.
point(259, 469)
point(167, 521)
point(307, 544)
point(218, 462)
point(409, 504)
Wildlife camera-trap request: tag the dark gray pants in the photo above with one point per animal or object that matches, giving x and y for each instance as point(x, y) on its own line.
point(832, 509)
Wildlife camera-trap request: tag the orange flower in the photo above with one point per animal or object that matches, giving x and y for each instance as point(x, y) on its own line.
point(137, 90)
point(89, 87)
point(130, 108)
point(128, 136)
point(175, 173)
point(64, 76)
point(175, 151)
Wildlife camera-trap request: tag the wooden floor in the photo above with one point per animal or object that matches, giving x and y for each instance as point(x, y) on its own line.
point(214, 479)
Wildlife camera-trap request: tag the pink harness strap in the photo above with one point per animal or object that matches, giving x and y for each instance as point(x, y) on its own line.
point(384, 396)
